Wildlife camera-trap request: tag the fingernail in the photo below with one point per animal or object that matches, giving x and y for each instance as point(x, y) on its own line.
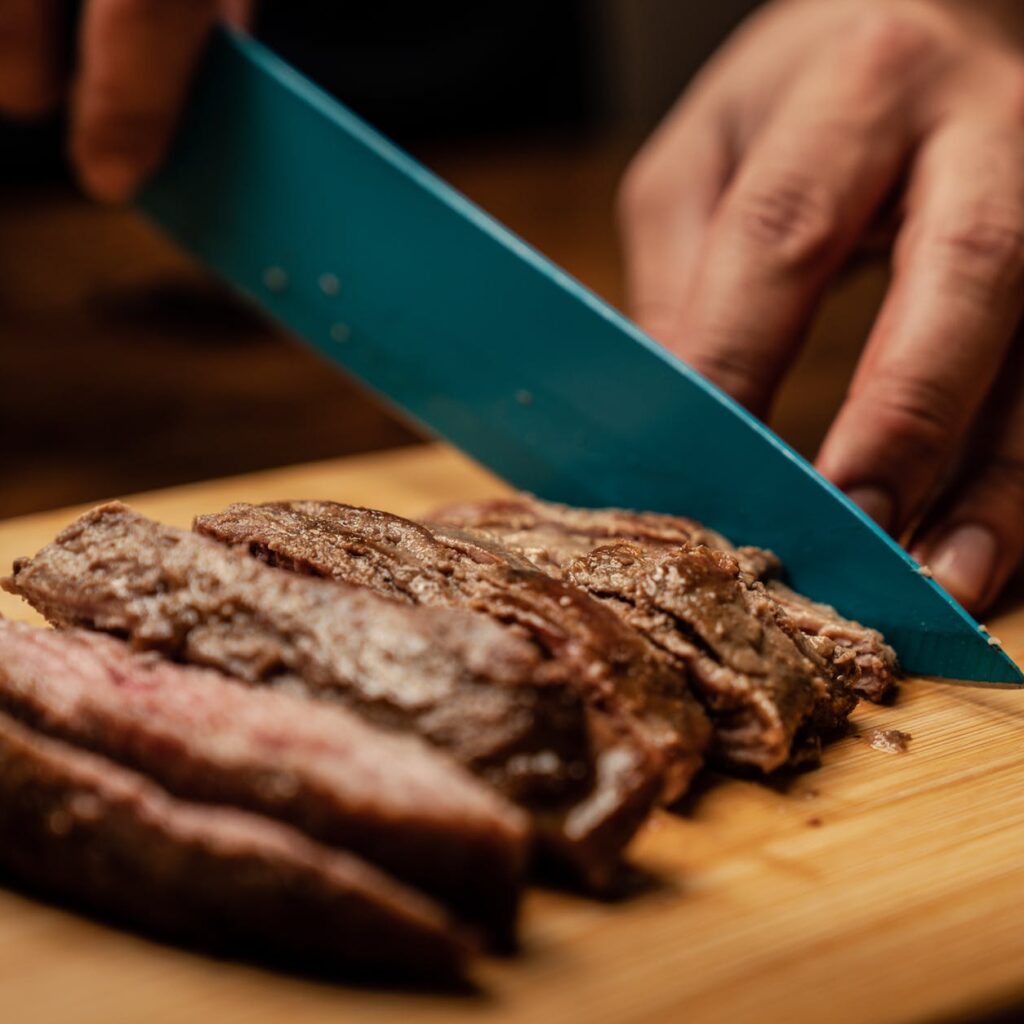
point(111, 179)
point(964, 560)
point(877, 503)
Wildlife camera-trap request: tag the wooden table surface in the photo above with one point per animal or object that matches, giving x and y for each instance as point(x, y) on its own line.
point(879, 888)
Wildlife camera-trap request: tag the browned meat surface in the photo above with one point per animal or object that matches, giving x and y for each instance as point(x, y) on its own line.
point(466, 684)
point(769, 702)
point(387, 797)
point(772, 692)
point(461, 681)
point(835, 637)
point(550, 535)
point(78, 827)
point(616, 672)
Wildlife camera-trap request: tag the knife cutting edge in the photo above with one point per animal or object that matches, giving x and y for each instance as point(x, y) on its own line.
point(400, 280)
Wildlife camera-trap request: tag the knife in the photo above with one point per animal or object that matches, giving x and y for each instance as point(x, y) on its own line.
point(400, 280)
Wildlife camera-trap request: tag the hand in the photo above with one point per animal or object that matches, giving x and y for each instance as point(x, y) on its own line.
point(134, 59)
point(811, 121)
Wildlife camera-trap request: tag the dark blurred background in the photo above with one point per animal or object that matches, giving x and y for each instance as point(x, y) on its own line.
point(125, 368)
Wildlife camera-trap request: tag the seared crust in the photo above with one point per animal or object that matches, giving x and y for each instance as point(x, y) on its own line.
point(768, 700)
point(551, 535)
point(808, 668)
point(468, 685)
point(385, 796)
point(640, 708)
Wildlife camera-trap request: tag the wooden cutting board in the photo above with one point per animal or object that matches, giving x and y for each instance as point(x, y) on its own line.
point(882, 887)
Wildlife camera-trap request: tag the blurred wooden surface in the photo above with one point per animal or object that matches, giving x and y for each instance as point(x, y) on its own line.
point(880, 888)
point(125, 368)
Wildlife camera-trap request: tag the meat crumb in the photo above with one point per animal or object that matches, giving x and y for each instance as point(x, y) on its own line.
point(815, 822)
point(892, 741)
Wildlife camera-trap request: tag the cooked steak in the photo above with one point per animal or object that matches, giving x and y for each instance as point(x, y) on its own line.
point(772, 692)
point(78, 827)
point(770, 703)
point(835, 637)
point(458, 679)
point(461, 681)
point(551, 535)
point(387, 797)
point(617, 674)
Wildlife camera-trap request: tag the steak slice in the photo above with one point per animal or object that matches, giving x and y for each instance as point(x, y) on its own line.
point(464, 683)
point(551, 535)
point(617, 674)
point(835, 637)
point(387, 797)
point(772, 693)
point(770, 703)
point(78, 827)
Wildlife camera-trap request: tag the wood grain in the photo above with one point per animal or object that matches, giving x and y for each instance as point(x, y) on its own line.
point(880, 888)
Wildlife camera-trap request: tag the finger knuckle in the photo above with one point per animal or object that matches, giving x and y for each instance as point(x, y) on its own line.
point(736, 370)
point(921, 417)
point(790, 215)
point(984, 251)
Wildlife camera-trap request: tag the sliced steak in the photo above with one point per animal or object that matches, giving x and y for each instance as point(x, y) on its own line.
point(835, 637)
point(551, 535)
point(461, 681)
point(617, 674)
point(387, 797)
point(78, 827)
point(770, 703)
point(772, 693)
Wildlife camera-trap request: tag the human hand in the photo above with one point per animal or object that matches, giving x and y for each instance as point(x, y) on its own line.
point(134, 59)
point(815, 118)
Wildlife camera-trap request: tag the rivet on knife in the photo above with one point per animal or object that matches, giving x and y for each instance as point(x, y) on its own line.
point(275, 279)
point(340, 333)
point(329, 284)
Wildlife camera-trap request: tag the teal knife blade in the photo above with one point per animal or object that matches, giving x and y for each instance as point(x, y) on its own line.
point(404, 283)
